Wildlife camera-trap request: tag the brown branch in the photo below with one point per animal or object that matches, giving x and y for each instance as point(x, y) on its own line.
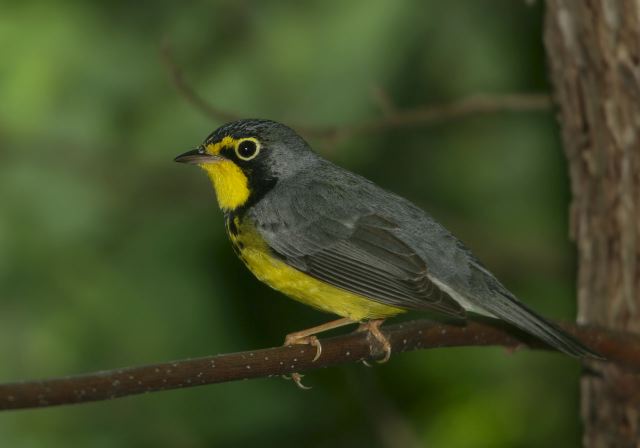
point(434, 114)
point(189, 94)
point(393, 117)
point(623, 349)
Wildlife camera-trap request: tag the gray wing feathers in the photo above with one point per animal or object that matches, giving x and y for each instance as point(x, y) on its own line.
point(372, 262)
point(341, 242)
point(342, 229)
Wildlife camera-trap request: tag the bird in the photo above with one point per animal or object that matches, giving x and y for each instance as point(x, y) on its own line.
point(338, 242)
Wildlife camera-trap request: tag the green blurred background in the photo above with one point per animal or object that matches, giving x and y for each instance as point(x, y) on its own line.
point(112, 255)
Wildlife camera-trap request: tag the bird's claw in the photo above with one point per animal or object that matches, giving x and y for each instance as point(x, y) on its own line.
point(297, 378)
point(296, 339)
point(293, 339)
point(373, 328)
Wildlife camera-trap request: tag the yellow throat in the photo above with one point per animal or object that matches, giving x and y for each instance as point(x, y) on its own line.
point(229, 182)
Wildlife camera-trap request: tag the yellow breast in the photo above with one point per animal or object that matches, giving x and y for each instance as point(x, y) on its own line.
point(255, 253)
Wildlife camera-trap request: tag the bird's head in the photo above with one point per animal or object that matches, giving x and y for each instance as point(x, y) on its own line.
point(246, 158)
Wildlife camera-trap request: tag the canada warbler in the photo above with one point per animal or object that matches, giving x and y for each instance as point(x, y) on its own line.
point(336, 241)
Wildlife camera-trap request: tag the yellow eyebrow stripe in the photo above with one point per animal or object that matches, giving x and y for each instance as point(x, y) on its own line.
point(215, 148)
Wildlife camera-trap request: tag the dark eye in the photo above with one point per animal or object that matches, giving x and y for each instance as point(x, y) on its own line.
point(247, 149)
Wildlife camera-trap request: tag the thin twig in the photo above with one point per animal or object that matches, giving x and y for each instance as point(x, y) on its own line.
point(392, 118)
point(623, 349)
point(384, 101)
point(189, 94)
point(433, 114)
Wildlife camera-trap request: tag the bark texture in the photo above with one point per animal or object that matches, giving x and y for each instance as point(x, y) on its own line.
point(593, 48)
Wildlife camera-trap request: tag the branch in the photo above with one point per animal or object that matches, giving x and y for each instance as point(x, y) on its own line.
point(392, 118)
point(192, 97)
point(433, 114)
point(620, 348)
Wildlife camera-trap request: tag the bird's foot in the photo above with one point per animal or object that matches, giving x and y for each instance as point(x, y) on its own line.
point(307, 337)
point(301, 338)
point(296, 378)
point(373, 328)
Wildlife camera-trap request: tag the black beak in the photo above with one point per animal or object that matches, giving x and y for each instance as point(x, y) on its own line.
point(196, 156)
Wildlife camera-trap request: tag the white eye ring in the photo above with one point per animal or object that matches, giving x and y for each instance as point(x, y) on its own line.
point(247, 148)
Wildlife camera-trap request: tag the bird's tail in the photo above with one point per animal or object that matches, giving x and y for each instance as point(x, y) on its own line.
point(508, 308)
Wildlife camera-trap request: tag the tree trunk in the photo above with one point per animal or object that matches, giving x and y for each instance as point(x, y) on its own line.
point(593, 48)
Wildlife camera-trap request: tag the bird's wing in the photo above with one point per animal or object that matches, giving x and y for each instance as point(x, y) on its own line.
point(338, 242)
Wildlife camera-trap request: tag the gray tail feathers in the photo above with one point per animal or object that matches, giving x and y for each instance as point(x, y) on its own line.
point(509, 309)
